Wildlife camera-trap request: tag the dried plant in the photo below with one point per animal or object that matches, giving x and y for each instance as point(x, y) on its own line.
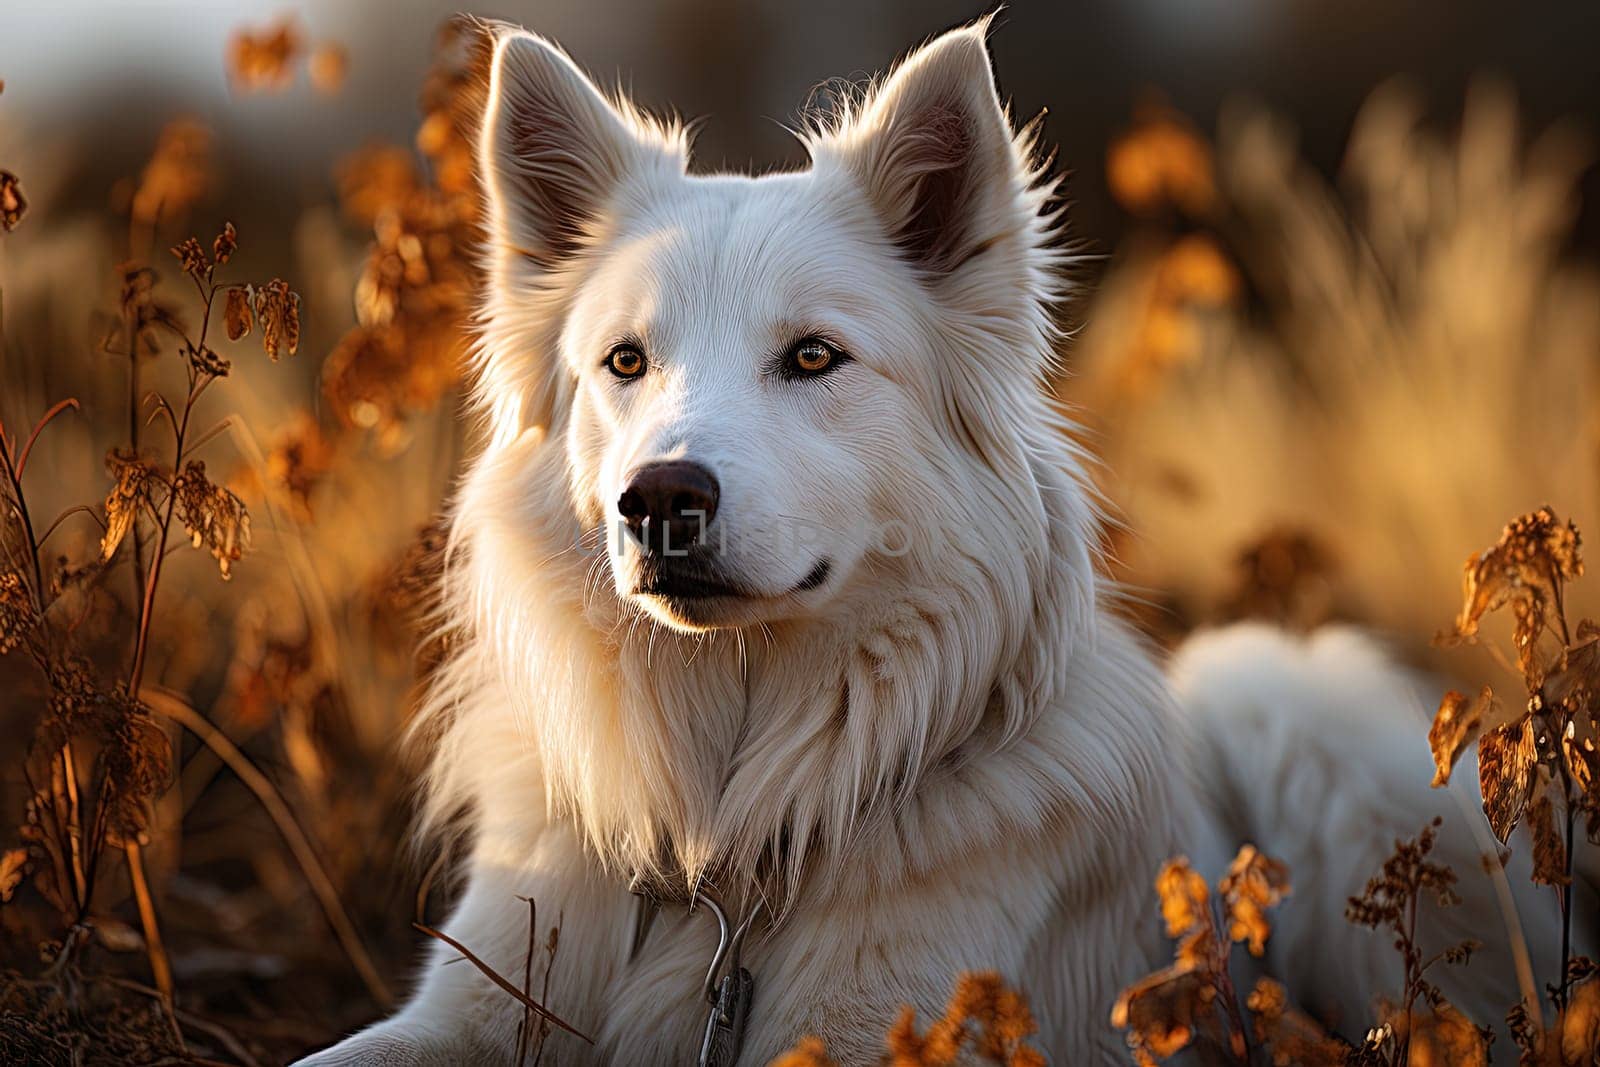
point(1193, 1002)
point(1284, 576)
point(1391, 901)
point(1161, 163)
point(99, 759)
point(266, 59)
point(414, 294)
point(1537, 757)
point(107, 661)
point(985, 1021)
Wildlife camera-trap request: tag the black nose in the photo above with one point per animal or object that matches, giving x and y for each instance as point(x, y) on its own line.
point(668, 505)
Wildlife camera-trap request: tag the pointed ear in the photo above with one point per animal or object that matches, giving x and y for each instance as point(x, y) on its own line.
point(935, 154)
point(554, 149)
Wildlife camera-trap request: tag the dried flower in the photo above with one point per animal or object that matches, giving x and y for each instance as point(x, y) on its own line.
point(1580, 1024)
point(1405, 874)
point(264, 59)
point(277, 308)
point(13, 205)
point(1283, 575)
point(1549, 850)
point(213, 516)
point(206, 362)
point(1291, 1036)
point(144, 316)
point(1185, 898)
point(192, 257)
point(1573, 1039)
point(138, 763)
point(1446, 1038)
point(453, 98)
point(1556, 727)
point(1190, 279)
point(1508, 759)
point(1162, 160)
point(236, 313)
point(1572, 693)
point(982, 1013)
point(1168, 1010)
point(810, 1052)
point(329, 65)
point(225, 244)
point(178, 174)
point(134, 477)
point(298, 458)
point(1459, 723)
point(1524, 569)
point(1253, 884)
point(375, 179)
point(1194, 270)
point(16, 611)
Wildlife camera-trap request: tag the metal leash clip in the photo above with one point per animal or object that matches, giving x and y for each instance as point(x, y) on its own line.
point(731, 994)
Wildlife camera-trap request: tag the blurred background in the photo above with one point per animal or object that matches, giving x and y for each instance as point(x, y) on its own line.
point(1338, 322)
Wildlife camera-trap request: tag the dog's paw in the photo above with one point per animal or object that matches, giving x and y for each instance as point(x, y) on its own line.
point(381, 1045)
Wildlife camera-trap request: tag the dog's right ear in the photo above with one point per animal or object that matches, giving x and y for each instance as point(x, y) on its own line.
point(554, 150)
point(554, 156)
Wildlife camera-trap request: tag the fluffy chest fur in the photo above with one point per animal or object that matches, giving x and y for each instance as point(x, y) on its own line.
point(1009, 861)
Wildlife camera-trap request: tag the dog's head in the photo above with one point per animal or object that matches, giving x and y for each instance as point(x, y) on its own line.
point(773, 393)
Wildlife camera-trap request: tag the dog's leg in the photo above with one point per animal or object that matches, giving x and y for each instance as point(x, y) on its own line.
point(457, 1015)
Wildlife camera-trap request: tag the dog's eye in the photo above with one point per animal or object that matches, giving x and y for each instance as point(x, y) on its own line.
point(625, 361)
point(811, 357)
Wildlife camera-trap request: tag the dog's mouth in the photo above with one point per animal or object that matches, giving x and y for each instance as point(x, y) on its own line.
point(691, 580)
point(686, 582)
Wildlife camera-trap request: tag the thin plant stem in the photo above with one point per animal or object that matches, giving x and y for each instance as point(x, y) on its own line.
point(69, 773)
point(147, 608)
point(8, 462)
point(160, 967)
point(495, 977)
point(1566, 902)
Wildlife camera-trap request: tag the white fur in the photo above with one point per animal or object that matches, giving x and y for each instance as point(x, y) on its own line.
point(943, 759)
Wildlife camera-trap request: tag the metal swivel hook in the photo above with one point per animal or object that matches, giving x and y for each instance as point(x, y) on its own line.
point(731, 994)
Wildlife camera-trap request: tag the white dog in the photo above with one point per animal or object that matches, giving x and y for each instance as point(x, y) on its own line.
point(777, 583)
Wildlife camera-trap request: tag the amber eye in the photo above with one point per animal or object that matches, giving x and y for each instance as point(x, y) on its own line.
point(811, 357)
point(625, 361)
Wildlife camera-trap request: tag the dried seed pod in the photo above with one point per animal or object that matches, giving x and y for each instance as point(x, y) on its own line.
point(236, 313)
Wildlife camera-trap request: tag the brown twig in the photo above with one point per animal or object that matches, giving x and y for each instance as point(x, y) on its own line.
point(44, 420)
point(495, 977)
point(525, 1026)
point(20, 503)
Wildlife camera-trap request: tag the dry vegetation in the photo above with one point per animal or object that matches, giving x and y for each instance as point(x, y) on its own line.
point(206, 865)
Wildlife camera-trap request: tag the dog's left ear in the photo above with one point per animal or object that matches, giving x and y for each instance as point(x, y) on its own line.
point(935, 154)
